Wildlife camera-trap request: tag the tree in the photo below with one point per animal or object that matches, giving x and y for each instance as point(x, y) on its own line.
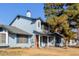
point(61, 15)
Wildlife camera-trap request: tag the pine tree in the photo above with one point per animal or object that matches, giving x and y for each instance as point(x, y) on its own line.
point(62, 15)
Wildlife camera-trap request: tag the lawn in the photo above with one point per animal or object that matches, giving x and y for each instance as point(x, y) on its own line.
point(39, 52)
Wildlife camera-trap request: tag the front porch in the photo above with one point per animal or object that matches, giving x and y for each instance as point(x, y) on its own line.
point(43, 41)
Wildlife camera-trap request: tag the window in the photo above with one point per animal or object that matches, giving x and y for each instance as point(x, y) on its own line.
point(39, 24)
point(2, 38)
point(1, 29)
point(22, 39)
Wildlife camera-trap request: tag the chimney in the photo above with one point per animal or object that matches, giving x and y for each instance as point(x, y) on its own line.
point(28, 14)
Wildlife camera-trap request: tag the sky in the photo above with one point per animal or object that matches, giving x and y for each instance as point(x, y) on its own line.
point(8, 11)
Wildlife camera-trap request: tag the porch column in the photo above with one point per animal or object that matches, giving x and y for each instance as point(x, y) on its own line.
point(39, 41)
point(7, 37)
point(29, 42)
point(47, 41)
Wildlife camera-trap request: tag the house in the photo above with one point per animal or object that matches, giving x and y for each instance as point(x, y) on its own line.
point(40, 30)
point(11, 36)
point(28, 32)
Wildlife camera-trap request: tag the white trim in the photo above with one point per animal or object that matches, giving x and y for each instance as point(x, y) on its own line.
point(47, 41)
point(7, 40)
point(29, 42)
point(2, 32)
point(6, 33)
point(38, 28)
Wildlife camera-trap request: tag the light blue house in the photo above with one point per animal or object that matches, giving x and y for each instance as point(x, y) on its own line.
point(40, 30)
point(28, 32)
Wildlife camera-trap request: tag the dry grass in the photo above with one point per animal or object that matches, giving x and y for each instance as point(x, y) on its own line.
point(40, 52)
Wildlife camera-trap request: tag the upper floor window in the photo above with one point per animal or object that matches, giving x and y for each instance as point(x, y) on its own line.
point(39, 24)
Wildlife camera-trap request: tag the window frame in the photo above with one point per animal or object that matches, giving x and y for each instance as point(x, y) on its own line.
point(24, 37)
point(2, 41)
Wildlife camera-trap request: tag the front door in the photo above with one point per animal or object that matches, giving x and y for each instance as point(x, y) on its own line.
point(37, 41)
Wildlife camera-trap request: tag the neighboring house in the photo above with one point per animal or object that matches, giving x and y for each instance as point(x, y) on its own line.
point(13, 37)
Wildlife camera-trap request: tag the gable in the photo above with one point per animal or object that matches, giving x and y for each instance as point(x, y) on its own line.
point(27, 18)
point(24, 24)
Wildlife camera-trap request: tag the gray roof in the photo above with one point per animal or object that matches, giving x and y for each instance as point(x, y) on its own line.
point(27, 18)
point(43, 33)
point(14, 30)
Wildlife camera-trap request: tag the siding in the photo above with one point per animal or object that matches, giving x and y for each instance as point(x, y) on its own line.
point(12, 39)
point(24, 24)
point(27, 26)
point(13, 42)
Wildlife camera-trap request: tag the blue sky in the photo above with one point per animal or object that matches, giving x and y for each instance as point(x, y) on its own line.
point(9, 11)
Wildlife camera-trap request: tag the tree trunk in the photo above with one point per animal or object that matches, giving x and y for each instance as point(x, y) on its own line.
point(66, 44)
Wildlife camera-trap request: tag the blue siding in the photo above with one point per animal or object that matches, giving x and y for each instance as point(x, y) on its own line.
point(13, 41)
point(26, 25)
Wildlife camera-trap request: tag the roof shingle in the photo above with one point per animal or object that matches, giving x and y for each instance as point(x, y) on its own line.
point(14, 30)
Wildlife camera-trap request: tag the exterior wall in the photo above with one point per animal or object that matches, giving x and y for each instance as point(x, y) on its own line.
point(71, 43)
point(32, 41)
point(24, 24)
point(12, 39)
point(78, 33)
point(5, 32)
point(27, 26)
point(13, 42)
point(62, 42)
